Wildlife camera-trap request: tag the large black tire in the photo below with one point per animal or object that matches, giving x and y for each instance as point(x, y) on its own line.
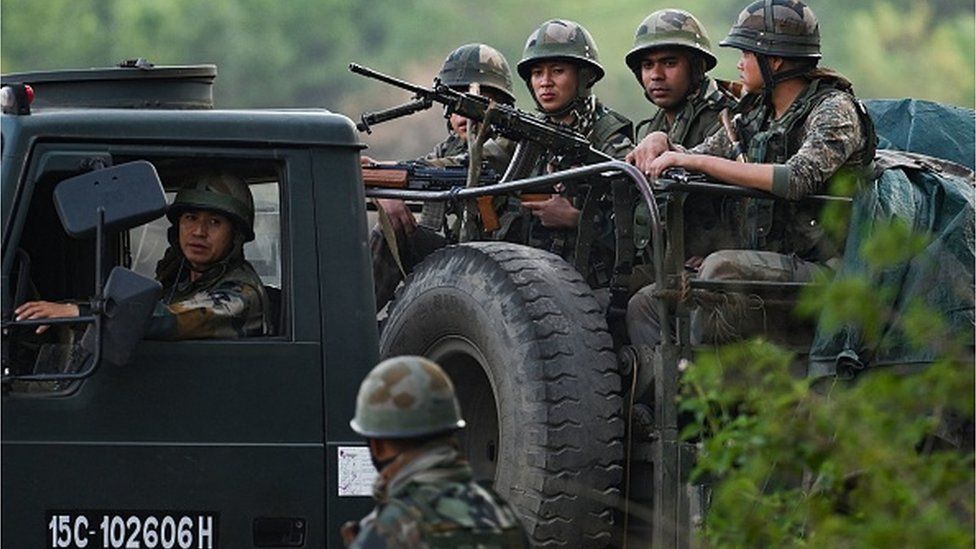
point(521, 335)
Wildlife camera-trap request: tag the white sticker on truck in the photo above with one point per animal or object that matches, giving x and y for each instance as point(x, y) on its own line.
point(356, 471)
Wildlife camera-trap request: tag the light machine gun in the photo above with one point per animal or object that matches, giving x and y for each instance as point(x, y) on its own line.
point(533, 135)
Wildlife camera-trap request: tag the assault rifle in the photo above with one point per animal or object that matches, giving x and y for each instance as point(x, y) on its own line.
point(415, 176)
point(533, 135)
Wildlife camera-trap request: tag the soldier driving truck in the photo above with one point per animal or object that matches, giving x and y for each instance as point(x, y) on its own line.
point(209, 288)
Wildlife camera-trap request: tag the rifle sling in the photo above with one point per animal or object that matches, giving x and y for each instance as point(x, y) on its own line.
point(389, 235)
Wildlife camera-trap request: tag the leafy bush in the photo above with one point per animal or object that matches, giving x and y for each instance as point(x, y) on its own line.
point(883, 460)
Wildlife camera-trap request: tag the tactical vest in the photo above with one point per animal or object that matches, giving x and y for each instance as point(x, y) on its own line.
point(794, 227)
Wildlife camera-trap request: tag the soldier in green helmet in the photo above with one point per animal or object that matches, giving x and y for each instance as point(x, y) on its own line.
point(671, 58)
point(560, 65)
point(425, 494)
point(802, 127)
point(467, 67)
point(209, 289)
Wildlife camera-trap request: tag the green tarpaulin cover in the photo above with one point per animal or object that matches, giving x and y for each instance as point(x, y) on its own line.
point(933, 198)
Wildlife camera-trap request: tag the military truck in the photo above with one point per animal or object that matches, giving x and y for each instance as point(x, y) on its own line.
point(111, 441)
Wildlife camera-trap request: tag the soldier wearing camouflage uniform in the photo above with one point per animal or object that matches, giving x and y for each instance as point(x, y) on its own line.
point(560, 64)
point(425, 494)
point(670, 59)
point(803, 126)
point(222, 297)
point(209, 289)
point(471, 64)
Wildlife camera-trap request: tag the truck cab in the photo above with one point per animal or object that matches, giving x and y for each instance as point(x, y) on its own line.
point(193, 443)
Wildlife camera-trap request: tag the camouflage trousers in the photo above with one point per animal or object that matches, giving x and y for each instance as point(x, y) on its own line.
point(729, 321)
point(413, 248)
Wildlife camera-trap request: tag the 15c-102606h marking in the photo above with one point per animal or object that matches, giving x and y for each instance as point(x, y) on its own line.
point(132, 530)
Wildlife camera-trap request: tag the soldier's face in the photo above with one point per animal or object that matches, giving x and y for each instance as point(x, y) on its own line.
point(666, 75)
point(554, 84)
point(749, 72)
point(205, 237)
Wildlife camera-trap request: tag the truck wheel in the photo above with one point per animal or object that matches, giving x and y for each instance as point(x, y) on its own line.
point(521, 335)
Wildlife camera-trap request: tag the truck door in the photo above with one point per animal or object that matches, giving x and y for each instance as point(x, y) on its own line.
point(194, 443)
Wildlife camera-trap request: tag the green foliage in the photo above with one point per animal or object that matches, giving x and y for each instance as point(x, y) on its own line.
point(838, 463)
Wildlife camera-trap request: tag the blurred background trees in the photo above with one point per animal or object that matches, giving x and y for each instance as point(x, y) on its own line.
point(294, 53)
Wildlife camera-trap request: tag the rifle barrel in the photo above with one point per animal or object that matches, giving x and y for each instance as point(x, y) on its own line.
point(370, 118)
point(385, 78)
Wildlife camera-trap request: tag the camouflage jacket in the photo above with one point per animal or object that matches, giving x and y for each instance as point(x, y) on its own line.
point(226, 301)
point(824, 130)
point(427, 498)
point(825, 133)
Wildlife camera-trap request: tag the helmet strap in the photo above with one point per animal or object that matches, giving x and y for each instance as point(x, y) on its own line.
point(771, 79)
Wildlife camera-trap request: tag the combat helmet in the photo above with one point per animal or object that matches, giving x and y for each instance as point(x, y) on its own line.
point(478, 64)
point(567, 40)
point(221, 192)
point(670, 28)
point(783, 28)
point(406, 397)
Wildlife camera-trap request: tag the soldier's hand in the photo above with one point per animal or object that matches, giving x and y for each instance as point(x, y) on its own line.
point(652, 146)
point(45, 309)
point(400, 215)
point(369, 161)
point(348, 531)
point(556, 213)
point(669, 159)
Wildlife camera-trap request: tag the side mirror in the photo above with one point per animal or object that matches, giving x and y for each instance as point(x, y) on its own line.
point(91, 204)
point(128, 195)
point(128, 302)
